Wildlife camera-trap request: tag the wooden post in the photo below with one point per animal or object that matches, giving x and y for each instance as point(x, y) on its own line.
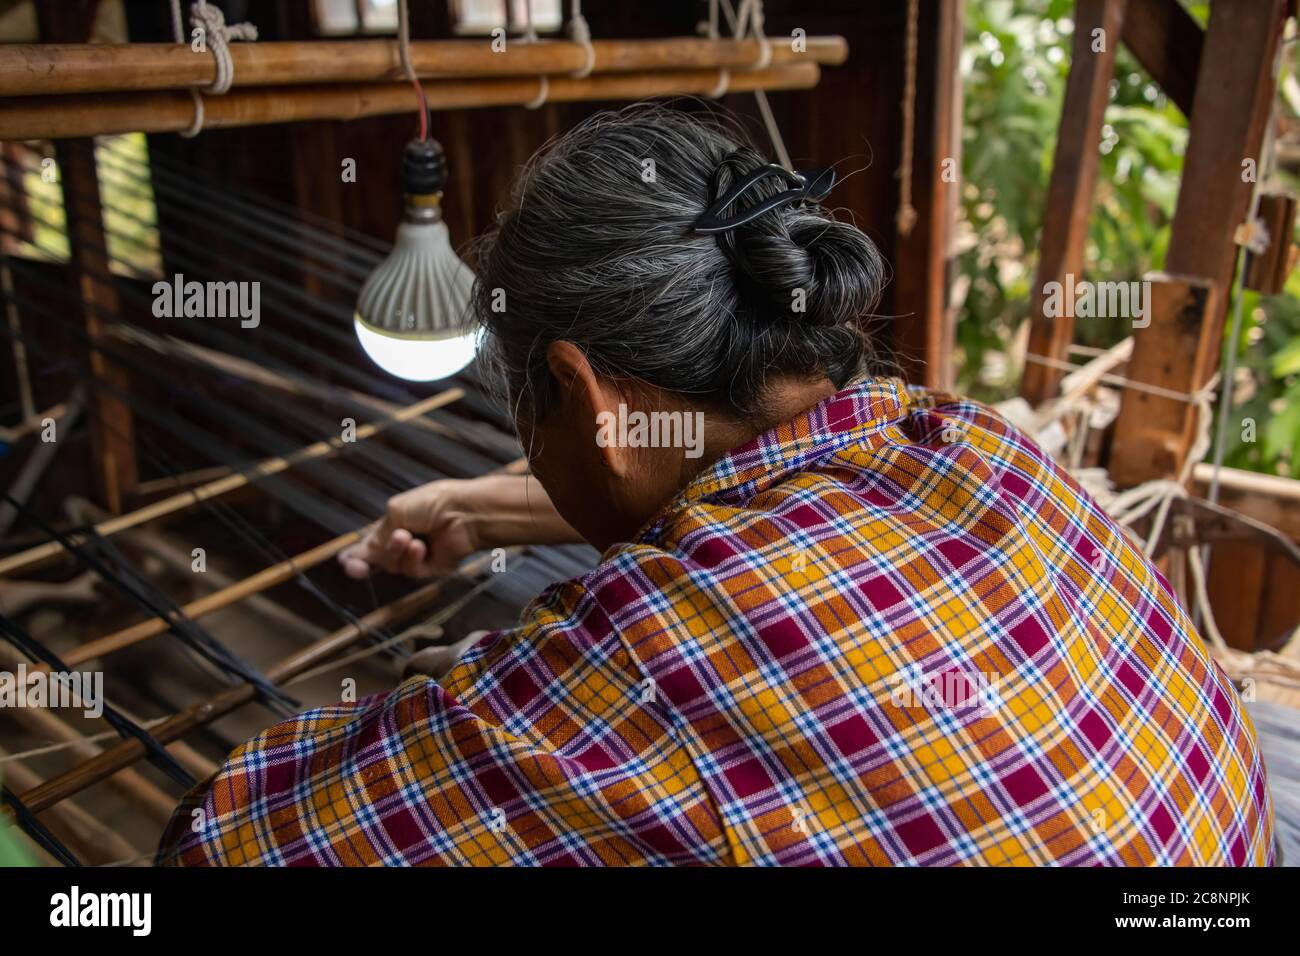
point(1069, 195)
point(1167, 42)
point(1154, 431)
point(111, 423)
point(1180, 349)
point(1267, 271)
point(924, 256)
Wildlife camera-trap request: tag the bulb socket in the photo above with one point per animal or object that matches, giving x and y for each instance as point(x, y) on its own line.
point(424, 168)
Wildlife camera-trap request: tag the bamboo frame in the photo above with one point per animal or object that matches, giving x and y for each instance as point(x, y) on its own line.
point(264, 469)
point(96, 114)
point(48, 69)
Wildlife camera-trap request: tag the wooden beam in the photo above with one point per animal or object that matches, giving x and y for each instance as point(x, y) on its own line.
point(1153, 431)
point(49, 69)
point(1180, 349)
point(1167, 42)
point(1069, 194)
point(95, 114)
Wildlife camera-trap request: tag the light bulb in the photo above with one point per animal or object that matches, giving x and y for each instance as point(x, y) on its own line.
point(417, 360)
point(412, 310)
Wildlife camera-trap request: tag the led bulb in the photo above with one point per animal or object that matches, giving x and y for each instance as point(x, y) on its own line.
point(417, 359)
point(412, 313)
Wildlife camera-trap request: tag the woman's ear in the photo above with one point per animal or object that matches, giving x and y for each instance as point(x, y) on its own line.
point(589, 403)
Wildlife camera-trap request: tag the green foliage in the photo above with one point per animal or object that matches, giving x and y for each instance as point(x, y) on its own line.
point(11, 854)
point(1014, 65)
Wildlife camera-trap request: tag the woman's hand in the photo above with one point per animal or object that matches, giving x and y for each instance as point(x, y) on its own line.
point(457, 517)
point(436, 510)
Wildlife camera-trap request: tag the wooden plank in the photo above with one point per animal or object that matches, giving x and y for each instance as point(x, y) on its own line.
point(1235, 585)
point(1267, 271)
point(924, 256)
point(1152, 430)
point(1069, 194)
point(1279, 610)
point(1268, 498)
point(1167, 42)
point(111, 423)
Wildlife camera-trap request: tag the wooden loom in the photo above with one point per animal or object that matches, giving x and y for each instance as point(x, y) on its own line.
point(218, 463)
point(99, 90)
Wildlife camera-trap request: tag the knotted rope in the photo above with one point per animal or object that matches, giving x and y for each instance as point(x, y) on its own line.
point(217, 35)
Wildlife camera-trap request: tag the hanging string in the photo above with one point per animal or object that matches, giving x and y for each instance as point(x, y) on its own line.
point(217, 35)
point(408, 68)
point(749, 17)
point(580, 32)
point(906, 218)
point(543, 83)
point(713, 32)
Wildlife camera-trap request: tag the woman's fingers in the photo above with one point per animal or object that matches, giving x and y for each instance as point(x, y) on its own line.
point(354, 566)
point(413, 559)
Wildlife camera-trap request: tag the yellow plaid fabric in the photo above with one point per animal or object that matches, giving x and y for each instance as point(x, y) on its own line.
point(890, 631)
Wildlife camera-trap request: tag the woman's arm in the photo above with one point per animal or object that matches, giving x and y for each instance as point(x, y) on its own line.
point(429, 530)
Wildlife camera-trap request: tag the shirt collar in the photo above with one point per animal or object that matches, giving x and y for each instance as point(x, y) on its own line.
point(848, 416)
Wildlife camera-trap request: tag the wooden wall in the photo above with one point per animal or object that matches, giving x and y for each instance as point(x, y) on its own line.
point(852, 118)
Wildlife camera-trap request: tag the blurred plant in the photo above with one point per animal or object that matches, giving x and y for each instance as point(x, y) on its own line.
point(11, 854)
point(1014, 66)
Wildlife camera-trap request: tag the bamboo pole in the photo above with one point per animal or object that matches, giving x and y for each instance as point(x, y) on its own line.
point(49, 69)
point(126, 752)
point(96, 114)
point(264, 469)
point(130, 783)
point(200, 607)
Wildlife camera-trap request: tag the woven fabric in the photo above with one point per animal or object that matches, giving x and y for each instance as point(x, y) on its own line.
point(890, 631)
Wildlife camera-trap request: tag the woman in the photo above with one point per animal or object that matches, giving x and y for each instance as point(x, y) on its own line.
point(837, 620)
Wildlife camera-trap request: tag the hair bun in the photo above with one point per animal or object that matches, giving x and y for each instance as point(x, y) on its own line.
point(796, 262)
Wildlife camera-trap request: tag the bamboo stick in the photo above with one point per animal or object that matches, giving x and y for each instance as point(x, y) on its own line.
point(200, 607)
point(95, 114)
point(238, 591)
point(50, 68)
point(128, 751)
point(130, 783)
point(264, 469)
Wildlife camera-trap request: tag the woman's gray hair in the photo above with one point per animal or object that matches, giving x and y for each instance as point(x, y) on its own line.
point(596, 247)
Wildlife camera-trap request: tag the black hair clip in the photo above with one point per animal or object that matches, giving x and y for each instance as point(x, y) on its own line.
point(814, 185)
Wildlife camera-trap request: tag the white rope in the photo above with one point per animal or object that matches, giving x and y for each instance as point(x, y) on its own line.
point(1112, 379)
point(712, 31)
point(543, 84)
point(217, 35)
point(749, 17)
point(580, 32)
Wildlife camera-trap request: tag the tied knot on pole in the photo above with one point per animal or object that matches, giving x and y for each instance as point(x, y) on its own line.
point(218, 35)
point(580, 32)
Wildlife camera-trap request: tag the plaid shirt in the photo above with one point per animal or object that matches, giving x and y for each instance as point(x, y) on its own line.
point(888, 631)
